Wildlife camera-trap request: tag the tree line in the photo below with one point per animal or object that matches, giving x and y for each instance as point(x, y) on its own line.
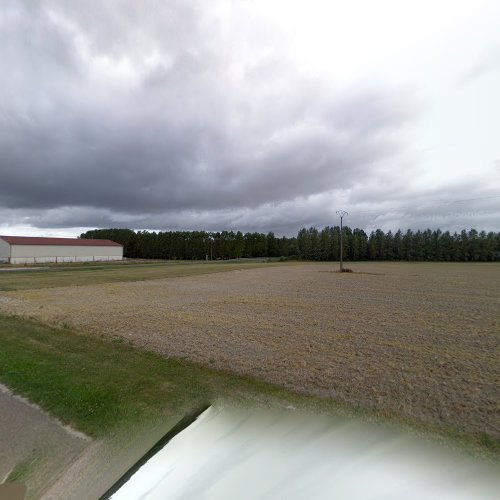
point(309, 244)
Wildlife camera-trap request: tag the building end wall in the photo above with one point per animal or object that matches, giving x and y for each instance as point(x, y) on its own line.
point(4, 251)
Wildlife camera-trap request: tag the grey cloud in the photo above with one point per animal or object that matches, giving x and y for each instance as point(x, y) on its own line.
point(456, 210)
point(198, 135)
point(488, 61)
point(192, 141)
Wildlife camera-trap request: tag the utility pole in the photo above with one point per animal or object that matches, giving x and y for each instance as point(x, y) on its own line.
point(341, 214)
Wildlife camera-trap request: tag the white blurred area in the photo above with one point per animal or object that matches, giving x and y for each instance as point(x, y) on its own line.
point(261, 454)
point(27, 230)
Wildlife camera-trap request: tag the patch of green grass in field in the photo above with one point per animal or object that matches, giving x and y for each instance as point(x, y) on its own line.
point(98, 386)
point(50, 277)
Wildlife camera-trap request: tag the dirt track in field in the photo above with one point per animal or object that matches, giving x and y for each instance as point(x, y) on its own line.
point(413, 340)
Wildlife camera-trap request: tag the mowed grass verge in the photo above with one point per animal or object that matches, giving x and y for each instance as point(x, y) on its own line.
point(99, 386)
point(81, 275)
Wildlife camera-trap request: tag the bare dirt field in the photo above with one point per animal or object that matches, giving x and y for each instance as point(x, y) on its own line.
point(415, 340)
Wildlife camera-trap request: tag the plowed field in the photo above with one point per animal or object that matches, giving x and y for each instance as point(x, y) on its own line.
point(413, 340)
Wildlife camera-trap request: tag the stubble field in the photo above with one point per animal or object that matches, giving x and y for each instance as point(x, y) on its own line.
point(412, 340)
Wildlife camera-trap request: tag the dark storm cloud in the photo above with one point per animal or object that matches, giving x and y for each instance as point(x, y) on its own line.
point(183, 137)
point(141, 114)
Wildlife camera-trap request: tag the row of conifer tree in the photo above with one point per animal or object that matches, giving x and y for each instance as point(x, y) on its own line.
point(309, 244)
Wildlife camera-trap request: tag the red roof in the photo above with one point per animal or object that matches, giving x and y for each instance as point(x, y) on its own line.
point(74, 242)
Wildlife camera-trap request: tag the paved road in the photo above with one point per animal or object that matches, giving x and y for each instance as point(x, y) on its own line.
point(29, 435)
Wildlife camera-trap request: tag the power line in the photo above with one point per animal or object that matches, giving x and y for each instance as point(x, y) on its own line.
point(433, 205)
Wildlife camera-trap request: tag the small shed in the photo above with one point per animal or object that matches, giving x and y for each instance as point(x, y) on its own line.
point(36, 250)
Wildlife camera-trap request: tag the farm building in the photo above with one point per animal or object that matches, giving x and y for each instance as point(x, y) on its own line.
point(34, 250)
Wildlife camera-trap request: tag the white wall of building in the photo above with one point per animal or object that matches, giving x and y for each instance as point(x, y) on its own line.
point(33, 254)
point(4, 251)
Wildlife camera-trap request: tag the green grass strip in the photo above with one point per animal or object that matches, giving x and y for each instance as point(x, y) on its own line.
point(97, 386)
point(92, 275)
point(101, 387)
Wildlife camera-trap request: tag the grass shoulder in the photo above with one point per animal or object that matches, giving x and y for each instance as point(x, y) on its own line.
point(99, 386)
point(106, 388)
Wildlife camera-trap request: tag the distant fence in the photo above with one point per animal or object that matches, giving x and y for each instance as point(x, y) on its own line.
point(62, 259)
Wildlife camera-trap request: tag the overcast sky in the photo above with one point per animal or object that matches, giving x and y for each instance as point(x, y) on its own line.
point(250, 115)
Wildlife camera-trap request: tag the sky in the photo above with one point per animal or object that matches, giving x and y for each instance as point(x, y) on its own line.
point(251, 115)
